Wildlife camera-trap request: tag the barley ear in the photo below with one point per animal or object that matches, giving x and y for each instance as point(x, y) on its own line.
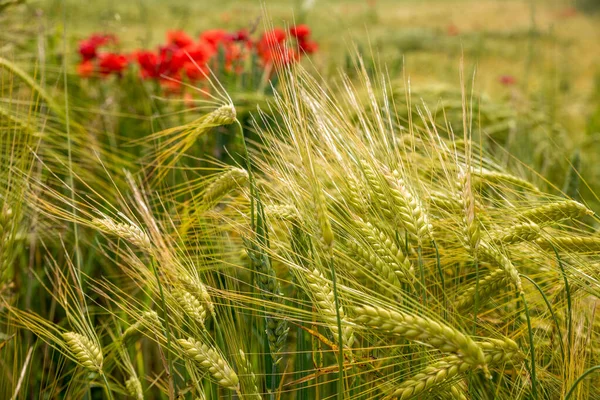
point(211, 362)
point(85, 351)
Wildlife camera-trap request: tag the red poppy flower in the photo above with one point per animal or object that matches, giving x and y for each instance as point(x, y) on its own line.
point(241, 36)
point(85, 69)
point(112, 63)
point(452, 30)
point(308, 46)
point(214, 37)
point(300, 31)
point(179, 39)
point(148, 62)
point(88, 49)
point(507, 80)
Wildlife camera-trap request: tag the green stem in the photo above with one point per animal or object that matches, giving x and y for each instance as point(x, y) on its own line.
point(107, 386)
point(586, 373)
point(560, 338)
point(340, 355)
point(531, 349)
point(569, 310)
point(438, 264)
point(167, 331)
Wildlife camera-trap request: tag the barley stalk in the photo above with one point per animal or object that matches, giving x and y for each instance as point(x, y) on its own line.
point(211, 362)
point(87, 353)
point(412, 327)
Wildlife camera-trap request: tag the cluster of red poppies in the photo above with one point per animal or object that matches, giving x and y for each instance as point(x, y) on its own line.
point(182, 57)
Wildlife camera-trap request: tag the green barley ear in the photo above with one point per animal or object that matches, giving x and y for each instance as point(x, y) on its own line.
point(573, 244)
point(85, 351)
point(556, 212)
point(433, 375)
point(190, 305)
point(388, 260)
point(224, 115)
point(198, 290)
point(227, 181)
point(494, 255)
point(321, 290)
point(501, 179)
point(282, 212)
point(128, 232)
point(149, 320)
point(134, 388)
point(470, 224)
point(270, 290)
point(487, 287)
point(412, 327)
point(524, 232)
point(210, 361)
point(248, 379)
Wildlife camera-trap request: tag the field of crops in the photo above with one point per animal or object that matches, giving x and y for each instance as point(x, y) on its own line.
point(308, 199)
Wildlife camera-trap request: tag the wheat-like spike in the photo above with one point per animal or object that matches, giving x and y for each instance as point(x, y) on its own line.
point(197, 289)
point(488, 286)
point(227, 180)
point(190, 305)
point(501, 351)
point(210, 361)
point(320, 289)
point(276, 328)
point(148, 320)
point(572, 244)
point(249, 383)
point(412, 327)
point(525, 232)
point(84, 350)
point(353, 196)
point(224, 115)
point(129, 232)
point(134, 388)
point(493, 255)
point(386, 258)
point(470, 224)
point(497, 352)
point(457, 391)
point(446, 201)
point(282, 212)
point(500, 178)
point(413, 204)
point(555, 212)
point(431, 376)
point(397, 203)
point(376, 265)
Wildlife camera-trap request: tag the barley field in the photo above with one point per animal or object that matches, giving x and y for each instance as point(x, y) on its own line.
point(304, 199)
